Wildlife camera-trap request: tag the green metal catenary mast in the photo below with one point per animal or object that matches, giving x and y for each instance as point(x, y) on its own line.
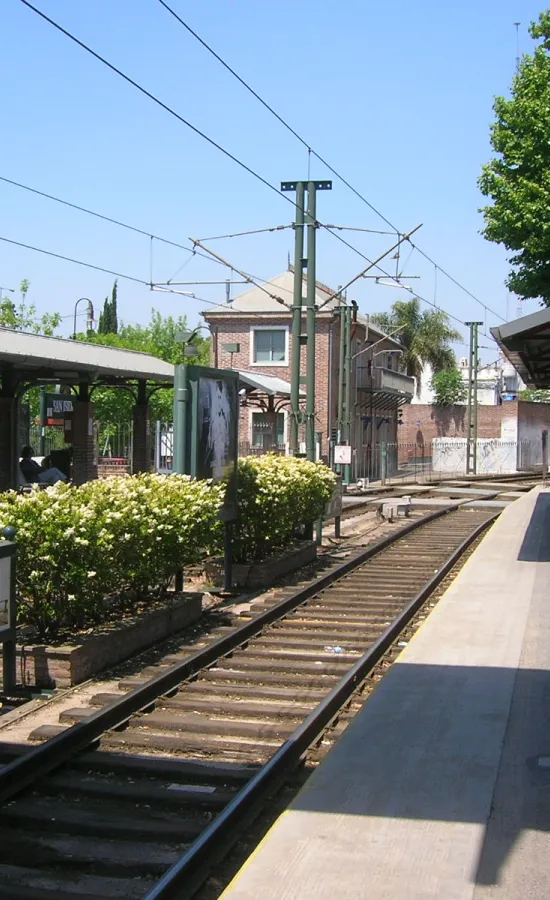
point(307, 215)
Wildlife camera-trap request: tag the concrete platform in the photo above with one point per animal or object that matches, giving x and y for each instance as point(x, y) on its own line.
point(499, 503)
point(458, 492)
point(503, 486)
point(422, 502)
point(440, 789)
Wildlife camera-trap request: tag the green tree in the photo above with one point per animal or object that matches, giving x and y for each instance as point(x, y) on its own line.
point(108, 319)
point(533, 395)
point(21, 317)
point(113, 406)
point(448, 387)
point(518, 179)
point(424, 335)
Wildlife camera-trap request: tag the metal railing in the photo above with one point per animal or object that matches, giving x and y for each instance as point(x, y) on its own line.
point(381, 379)
point(442, 458)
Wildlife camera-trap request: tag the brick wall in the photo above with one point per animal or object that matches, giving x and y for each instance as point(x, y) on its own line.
point(424, 422)
point(141, 443)
point(7, 443)
point(84, 462)
point(532, 418)
point(64, 666)
point(238, 330)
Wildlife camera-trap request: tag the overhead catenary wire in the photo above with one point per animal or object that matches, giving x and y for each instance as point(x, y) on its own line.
point(311, 150)
point(152, 286)
point(197, 131)
point(83, 209)
point(180, 118)
point(211, 141)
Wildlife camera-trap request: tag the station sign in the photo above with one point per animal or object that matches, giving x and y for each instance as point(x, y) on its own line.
point(342, 455)
point(58, 408)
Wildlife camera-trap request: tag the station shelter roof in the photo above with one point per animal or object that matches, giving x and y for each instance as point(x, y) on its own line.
point(63, 359)
point(526, 344)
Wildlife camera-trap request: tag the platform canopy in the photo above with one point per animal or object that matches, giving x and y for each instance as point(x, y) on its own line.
point(65, 360)
point(526, 344)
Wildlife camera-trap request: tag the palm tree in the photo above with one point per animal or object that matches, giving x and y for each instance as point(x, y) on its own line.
point(425, 337)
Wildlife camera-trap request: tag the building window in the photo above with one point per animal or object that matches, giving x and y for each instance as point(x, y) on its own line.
point(268, 346)
point(262, 437)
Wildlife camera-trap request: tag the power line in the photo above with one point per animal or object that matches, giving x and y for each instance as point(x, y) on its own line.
point(118, 222)
point(155, 99)
point(151, 286)
point(77, 262)
point(272, 111)
point(212, 142)
point(450, 277)
point(91, 212)
point(310, 149)
point(181, 119)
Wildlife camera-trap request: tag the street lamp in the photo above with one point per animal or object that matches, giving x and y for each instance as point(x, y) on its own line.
point(186, 338)
point(2, 289)
point(89, 318)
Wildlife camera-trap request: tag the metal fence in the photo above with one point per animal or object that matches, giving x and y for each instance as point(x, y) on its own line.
point(442, 459)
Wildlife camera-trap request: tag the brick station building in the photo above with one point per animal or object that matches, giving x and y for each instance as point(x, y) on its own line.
point(27, 360)
point(253, 334)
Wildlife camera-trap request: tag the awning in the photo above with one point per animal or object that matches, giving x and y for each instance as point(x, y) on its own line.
point(382, 400)
point(526, 344)
point(267, 384)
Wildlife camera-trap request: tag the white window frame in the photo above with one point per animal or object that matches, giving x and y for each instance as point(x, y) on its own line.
point(263, 365)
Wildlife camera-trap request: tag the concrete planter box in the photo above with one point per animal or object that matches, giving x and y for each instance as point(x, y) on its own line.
point(263, 574)
point(71, 664)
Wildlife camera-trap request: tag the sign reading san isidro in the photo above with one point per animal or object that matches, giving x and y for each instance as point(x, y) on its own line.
point(58, 408)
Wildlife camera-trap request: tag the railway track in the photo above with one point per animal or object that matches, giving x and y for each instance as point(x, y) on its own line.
point(147, 788)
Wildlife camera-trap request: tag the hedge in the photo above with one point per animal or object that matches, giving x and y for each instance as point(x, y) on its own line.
point(117, 538)
point(122, 539)
point(276, 495)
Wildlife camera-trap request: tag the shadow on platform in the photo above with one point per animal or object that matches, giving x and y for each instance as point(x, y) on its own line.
point(461, 753)
point(536, 543)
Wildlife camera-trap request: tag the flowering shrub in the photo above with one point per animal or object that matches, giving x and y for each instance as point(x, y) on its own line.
point(118, 537)
point(277, 494)
point(124, 538)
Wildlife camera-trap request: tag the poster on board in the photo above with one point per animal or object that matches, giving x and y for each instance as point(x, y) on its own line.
point(218, 413)
point(5, 587)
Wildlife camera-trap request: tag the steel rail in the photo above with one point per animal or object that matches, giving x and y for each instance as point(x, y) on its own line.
point(187, 875)
point(23, 771)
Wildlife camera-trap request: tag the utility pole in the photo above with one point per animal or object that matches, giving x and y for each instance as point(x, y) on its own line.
point(471, 441)
point(297, 317)
point(301, 263)
point(347, 387)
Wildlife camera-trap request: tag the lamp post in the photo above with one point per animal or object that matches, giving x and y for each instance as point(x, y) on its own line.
point(89, 318)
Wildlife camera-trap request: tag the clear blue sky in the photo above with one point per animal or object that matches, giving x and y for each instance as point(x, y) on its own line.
point(397, 96)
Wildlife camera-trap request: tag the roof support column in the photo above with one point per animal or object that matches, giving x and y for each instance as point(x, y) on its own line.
point(9, 452)
point(84, 450)
point(141, 443)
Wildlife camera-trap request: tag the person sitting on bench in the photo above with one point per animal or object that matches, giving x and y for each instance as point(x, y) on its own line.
point(34, 473)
